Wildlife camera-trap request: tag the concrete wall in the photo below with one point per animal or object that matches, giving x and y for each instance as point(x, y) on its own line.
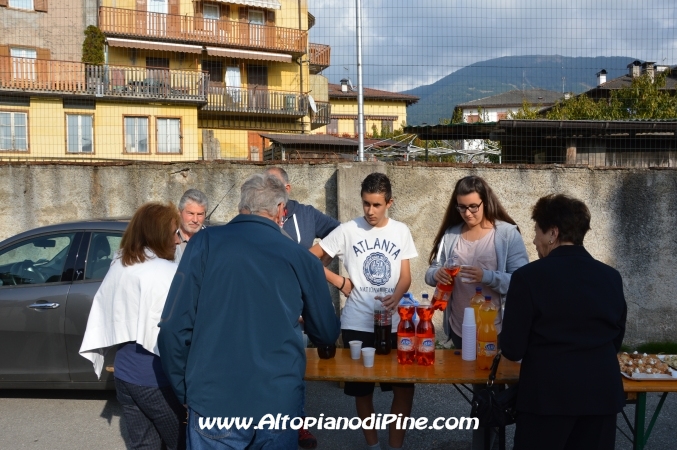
point(633, 211)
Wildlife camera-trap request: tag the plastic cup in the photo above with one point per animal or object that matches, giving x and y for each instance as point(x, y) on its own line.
point(355, 349)
point(368, 356)
point(468, 316)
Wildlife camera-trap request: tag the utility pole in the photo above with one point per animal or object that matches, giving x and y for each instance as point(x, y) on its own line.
point(360, 91)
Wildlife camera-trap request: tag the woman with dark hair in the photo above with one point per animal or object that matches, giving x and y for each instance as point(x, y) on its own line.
point(126, 311)
point(565, 320)
point(477, 229)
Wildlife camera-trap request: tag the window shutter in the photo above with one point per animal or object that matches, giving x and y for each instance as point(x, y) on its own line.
point(43, 53)
point(174, 7)
point(198, 23)
point(225, 12)
point(141, 5)
point(270, 18)
point(4, 49)
point(3, 2)
point(244, 13)
point(40, 5)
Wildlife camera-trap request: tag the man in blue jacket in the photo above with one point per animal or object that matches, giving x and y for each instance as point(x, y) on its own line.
point(303, 223)
point(230, 341)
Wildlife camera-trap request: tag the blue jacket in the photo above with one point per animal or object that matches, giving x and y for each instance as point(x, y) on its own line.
point(230, 341)
point(304, 223)
point(511, 254)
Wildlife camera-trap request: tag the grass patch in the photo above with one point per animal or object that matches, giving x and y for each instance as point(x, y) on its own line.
point(669, 348)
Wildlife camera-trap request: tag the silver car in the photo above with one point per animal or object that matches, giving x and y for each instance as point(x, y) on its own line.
point(48, 278)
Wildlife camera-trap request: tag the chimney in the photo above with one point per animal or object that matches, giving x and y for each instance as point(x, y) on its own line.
point(601, 77)
point(344, 85)
point(648, 68)
point(634, 68)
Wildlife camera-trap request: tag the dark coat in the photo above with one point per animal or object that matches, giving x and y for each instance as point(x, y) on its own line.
point(230, 341)
point(565, 319)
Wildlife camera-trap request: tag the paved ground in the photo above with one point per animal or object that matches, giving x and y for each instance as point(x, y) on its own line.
point(85, 420)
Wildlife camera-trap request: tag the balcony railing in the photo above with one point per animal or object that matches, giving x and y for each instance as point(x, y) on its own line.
point(256, 101)
point(319, 56)
point(66, 77)
point(142, 24)
point(322, 117)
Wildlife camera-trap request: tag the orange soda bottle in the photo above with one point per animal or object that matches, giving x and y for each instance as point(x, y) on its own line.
point(443, 291)
point(406, 335)
point(487, 337)
point(425, 336)
point(476, 301)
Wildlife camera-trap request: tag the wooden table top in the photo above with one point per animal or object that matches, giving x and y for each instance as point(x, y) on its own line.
point(448, 369)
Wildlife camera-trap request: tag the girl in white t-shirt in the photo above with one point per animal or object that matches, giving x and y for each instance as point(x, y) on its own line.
point(375, 251)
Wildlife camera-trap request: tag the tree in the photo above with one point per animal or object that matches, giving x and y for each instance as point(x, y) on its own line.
point(645, 98)
point(526, 112)
point(92, 46)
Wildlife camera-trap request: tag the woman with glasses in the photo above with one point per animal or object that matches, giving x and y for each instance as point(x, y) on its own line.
point(487, 243)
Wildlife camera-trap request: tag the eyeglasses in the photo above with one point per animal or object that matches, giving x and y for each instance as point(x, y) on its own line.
point(472, 208)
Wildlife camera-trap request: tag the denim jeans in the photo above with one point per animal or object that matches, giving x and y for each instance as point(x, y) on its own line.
point(234, 439)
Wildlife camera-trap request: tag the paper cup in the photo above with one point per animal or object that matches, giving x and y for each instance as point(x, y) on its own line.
point(368, 356)
point(355, 349)
point(469, 335)
point(468, 316)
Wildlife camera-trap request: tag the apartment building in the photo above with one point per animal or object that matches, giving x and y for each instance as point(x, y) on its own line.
point(178, 80)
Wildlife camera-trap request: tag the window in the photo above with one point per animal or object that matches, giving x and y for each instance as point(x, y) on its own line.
point(13, 131)
point(215, 69)
point(21, 4)
point(472, 118)
point(136, 134)
point(332, 127)
point(80, 133)
point(39, 260)
point(387, 126)
point(211, 12)
point(102, 249)
point(169, 135)
point(23, 63)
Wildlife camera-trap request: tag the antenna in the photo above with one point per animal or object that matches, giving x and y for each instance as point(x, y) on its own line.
point(217, 205)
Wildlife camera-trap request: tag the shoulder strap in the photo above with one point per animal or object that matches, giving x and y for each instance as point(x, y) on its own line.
point(494, 368)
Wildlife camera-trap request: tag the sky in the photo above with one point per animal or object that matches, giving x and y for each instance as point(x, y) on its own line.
point(409, 43)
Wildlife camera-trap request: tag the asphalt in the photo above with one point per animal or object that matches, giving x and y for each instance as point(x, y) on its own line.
point(82, 420)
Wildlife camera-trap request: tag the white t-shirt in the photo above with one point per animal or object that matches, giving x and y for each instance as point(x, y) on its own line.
point(372, 257)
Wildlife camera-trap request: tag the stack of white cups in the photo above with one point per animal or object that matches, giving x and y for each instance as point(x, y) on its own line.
point(469, 335)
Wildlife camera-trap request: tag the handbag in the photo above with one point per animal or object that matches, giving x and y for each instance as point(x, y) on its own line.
point(494, 407)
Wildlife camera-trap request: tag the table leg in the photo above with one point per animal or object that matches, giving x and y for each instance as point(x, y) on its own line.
point(640, 412)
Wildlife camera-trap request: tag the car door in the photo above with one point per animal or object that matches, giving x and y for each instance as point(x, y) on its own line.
point(96, 253)
point(35, 276)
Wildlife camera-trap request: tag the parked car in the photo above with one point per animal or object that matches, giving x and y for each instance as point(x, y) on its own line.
point(48, 278)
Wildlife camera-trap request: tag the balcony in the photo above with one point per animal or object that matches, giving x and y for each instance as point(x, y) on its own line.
point(319, 56)
point(322, 117)
point(51, 77)
point(169, 27)
point(256, 102)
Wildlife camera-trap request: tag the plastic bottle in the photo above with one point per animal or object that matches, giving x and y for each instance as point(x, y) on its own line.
point(476, 301)
point(443, 291)
point(382, 329)
point(487, 340)
point(425, 336)
point(425, 300)
point(406, 333)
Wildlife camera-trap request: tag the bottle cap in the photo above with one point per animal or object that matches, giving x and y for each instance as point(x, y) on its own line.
point(424, 295)
point(478, 289)
point(487, 298)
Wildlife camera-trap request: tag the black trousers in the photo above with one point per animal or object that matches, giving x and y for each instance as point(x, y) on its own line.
point(536, 432)
point(154, 417)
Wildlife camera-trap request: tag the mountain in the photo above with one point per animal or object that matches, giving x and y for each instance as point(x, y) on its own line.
point(495, 76)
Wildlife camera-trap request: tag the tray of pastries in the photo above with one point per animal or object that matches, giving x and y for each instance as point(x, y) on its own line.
point(641, 366)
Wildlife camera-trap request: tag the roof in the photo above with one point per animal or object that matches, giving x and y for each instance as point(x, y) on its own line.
point(309, 139)
point(502, 128)
point(537, 97)
point(371, 94)
point(626, 81)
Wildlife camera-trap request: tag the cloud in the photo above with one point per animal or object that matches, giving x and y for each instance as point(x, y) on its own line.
point(410, 43)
